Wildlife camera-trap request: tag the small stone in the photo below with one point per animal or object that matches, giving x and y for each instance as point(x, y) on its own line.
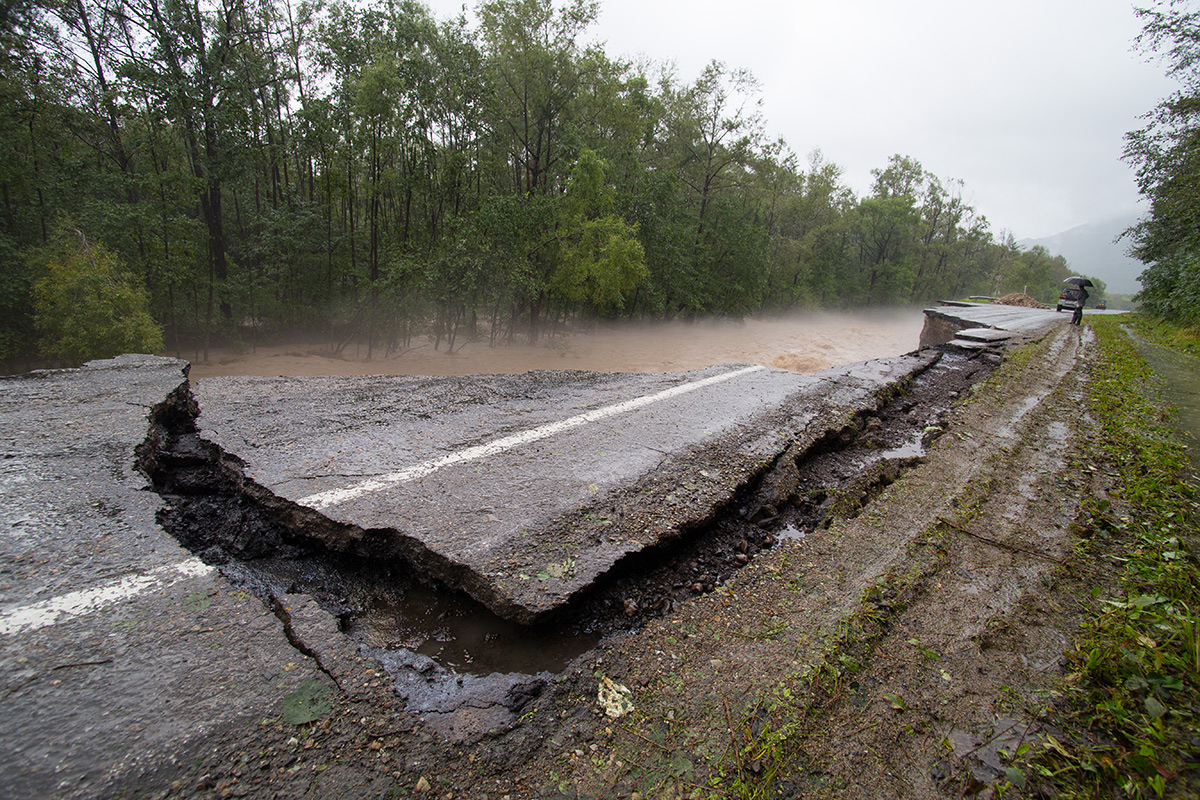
point(423, 784)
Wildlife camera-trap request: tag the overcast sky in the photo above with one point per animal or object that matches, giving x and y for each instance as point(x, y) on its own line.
point(1025, 101)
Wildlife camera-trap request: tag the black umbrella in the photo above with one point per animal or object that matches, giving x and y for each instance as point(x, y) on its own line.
point(1078, 281)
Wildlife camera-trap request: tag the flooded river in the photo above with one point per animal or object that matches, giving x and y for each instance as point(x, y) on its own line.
point(805, 343)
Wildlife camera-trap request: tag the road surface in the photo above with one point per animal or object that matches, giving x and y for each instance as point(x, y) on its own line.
point(122, 654)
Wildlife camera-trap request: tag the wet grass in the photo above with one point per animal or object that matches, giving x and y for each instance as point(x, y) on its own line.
point(1185, 340)
point(1132, 700)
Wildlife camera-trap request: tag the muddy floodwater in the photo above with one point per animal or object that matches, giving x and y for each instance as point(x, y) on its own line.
point(804, 343)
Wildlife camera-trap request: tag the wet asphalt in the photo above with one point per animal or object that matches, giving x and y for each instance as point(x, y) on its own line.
point(119, 651)
point(122, 654)
point(524, 489)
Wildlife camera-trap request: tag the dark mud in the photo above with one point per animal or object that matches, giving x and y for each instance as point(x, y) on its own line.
point(422, 631)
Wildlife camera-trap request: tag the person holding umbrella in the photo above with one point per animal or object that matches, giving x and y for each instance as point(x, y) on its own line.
point(1077, 317)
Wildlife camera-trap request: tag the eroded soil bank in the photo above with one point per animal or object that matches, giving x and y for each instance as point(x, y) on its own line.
point(895, 653)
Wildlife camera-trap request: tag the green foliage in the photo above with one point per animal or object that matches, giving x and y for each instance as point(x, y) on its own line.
point(1166, 154)
point(87, 305)
point(1171, 335)
point(1171, 287)
point(16, 312)
point(602, 260)
point(369, 172)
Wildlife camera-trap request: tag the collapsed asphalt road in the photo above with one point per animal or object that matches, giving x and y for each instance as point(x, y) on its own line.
point(122, 651)
point(523, 490)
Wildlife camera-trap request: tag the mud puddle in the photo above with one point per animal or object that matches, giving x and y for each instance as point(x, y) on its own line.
point(408, 621)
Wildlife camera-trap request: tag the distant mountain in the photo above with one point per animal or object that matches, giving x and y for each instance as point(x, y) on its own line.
point(1091, 250)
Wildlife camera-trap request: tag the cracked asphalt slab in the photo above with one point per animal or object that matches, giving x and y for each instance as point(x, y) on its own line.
point(524, 489)
point(122, 655)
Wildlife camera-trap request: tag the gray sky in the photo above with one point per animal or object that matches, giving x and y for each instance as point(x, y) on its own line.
point(1025, 101)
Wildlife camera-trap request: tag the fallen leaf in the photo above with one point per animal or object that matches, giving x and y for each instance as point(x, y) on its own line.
point(615, 699)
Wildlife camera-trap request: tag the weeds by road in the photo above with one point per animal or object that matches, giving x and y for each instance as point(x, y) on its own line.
point(1185, 340)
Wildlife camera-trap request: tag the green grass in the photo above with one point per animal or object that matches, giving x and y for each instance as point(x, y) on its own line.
point(1185, 340)
point(1132, 713)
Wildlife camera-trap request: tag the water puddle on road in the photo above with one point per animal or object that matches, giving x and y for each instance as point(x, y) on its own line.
point(913, 447)
point(389, 608)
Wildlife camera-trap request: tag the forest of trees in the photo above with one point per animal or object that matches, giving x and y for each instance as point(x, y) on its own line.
point(244, 169)
point(1167, 156)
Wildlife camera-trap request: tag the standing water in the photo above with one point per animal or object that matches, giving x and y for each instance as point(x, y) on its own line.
point(1181, 373)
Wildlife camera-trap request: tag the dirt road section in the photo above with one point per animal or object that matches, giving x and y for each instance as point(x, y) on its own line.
point(523, 490)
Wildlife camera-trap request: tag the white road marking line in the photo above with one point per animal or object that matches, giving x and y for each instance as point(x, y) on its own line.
point(84, 601)
point(334, 496)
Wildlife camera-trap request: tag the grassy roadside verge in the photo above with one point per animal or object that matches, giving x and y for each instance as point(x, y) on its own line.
point(1185, 340)
point(1133, 698)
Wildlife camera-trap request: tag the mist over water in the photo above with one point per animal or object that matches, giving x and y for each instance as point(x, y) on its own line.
point(805, 343)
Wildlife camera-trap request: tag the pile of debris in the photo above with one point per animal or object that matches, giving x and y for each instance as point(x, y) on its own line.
point(1020, 299)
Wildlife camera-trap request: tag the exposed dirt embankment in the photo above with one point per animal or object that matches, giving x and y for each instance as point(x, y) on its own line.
point(895, 653)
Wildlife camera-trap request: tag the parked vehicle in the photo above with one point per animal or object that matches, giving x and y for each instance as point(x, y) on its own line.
point(1071, 298)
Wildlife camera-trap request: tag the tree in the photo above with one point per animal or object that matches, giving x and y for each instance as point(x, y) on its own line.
point(367, 174)
point(536, 74)
point(1166, 154)
point(88, 305)
point(601, 261)
point(1035, 272)
point(809, 234)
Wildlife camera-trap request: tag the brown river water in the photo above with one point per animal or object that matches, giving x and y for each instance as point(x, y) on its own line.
point(805, 343)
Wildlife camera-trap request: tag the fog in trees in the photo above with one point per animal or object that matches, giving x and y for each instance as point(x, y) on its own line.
point(369, 174)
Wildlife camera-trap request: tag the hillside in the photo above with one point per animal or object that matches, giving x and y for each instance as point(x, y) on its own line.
point(1092, 249)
